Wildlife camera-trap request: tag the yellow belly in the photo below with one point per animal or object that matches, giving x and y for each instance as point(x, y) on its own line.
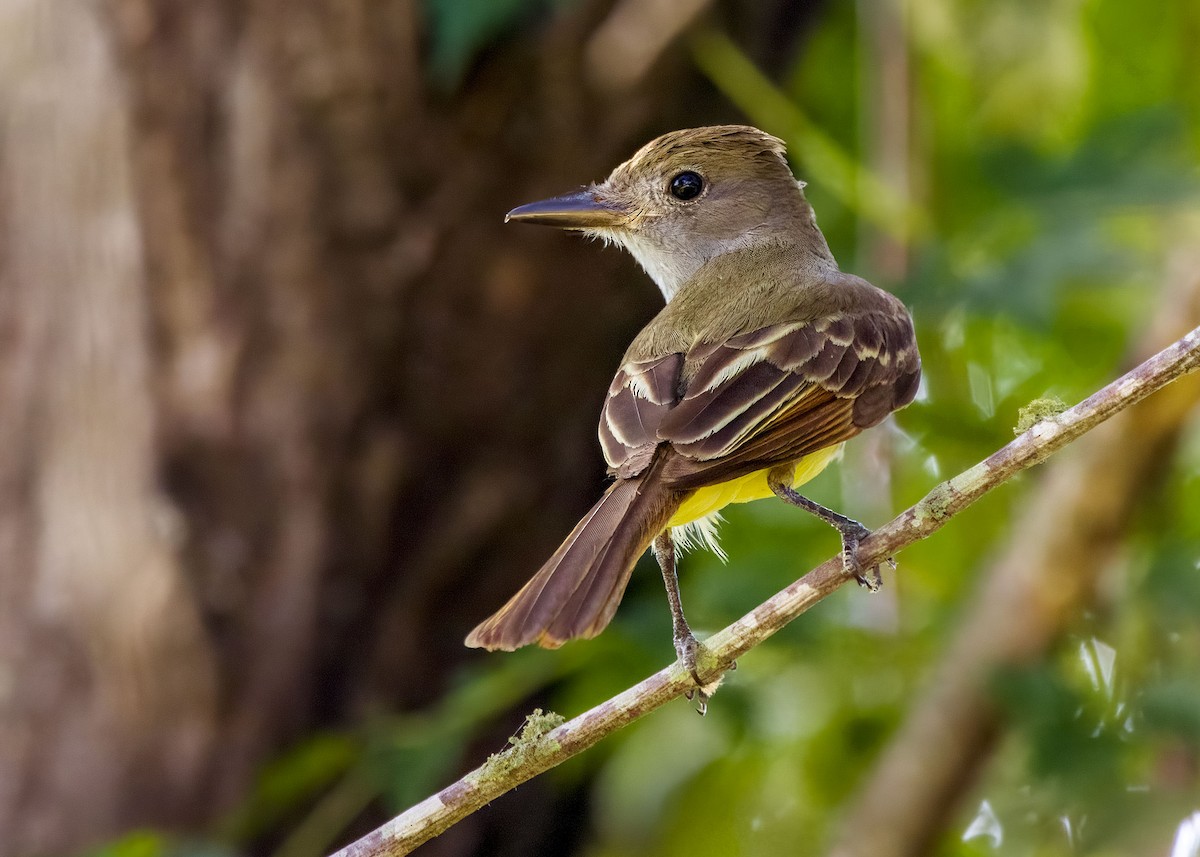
point(752, 486)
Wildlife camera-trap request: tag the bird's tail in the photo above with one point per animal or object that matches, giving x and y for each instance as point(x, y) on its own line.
point(578, 589)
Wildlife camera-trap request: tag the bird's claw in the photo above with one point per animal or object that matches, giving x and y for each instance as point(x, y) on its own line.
point(687, 647)
point(700, 698)
point(852, 533)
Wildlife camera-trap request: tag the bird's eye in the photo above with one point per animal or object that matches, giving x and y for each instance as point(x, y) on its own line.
point(686, 185)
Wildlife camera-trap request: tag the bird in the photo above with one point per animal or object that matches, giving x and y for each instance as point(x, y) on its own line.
point(765, 359)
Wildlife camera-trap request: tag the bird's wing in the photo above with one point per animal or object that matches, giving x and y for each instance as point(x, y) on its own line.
point(759, 399)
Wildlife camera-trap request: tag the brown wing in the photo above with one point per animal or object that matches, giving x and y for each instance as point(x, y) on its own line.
point(761, 398)
point(639, 398)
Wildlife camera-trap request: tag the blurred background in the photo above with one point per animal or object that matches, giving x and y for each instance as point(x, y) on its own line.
point(285, 409)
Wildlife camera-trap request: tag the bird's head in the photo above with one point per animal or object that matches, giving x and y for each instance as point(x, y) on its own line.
point(686, 198)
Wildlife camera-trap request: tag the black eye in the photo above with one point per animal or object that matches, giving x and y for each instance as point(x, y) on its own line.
point(686, 185)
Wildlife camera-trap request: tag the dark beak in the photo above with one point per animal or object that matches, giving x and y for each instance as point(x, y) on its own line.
point(584, 209)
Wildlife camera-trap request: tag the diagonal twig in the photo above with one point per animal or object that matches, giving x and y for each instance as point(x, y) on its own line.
point(1066, 538)
point(542, 748)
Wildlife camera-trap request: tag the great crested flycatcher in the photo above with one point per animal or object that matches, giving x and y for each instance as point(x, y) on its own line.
point(764, 361)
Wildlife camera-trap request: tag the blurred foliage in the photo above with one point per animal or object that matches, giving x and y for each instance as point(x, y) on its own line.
point(1055, 165)
point(460, 29)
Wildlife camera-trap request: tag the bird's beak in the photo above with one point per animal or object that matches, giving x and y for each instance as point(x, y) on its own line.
point(584, 209)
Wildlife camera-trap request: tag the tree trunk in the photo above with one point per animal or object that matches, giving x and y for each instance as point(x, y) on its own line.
point(275, 380)
point(109, 688)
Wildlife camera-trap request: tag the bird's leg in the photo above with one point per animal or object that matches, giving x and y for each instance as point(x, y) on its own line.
point(851, 531)
point(686, 644)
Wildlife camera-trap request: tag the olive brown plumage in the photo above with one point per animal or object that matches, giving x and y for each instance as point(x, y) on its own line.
point(764, 361)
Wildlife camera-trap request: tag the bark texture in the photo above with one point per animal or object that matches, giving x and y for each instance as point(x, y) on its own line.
point(285, 408)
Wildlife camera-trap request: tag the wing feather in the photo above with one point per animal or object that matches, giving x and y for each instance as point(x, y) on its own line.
point(761, 398)
point(640, 396)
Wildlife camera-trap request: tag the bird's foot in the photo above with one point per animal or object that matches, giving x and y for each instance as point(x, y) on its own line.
point(852, 532)
point(687, 647)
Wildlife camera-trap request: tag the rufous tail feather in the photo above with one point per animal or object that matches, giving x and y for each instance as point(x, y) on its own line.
point(576, 592)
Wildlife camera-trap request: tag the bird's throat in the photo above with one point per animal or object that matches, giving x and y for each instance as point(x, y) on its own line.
point(671, 261)
point(669, 269)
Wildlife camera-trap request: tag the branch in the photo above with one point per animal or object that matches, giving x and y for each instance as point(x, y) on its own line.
point(541, 747)
point(1063, 541)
